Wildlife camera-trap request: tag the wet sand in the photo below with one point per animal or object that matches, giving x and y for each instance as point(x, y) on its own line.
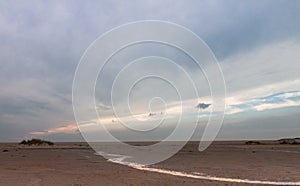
point(76, 164)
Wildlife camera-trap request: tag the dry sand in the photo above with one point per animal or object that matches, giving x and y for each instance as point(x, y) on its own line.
point(76, 164)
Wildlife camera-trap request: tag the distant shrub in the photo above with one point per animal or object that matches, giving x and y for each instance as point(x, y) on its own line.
point(252, 143)
point(35, 142)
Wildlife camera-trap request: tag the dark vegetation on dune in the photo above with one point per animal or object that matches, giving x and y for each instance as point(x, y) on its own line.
point(284, 141)
point(252, 143)
point(36, 142)
point(290, 141)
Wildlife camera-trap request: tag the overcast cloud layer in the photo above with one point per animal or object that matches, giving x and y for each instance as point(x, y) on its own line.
point(257, 44)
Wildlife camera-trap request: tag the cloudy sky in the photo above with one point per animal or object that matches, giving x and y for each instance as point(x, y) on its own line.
point(257, 44)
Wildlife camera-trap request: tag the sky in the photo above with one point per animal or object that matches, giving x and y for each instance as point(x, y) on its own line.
point(257, 44)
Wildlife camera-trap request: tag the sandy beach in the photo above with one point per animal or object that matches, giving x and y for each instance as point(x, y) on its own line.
point(77, 164)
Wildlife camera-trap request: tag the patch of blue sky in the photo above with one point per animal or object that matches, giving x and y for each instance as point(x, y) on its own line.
point(279, 97)
point(243, 106)
point(295, 98)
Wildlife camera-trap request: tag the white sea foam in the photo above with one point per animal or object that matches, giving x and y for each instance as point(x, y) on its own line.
point(285, 151)
point(212, 178)
point(120, 159)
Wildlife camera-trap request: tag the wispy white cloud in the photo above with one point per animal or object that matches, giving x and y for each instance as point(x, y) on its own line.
point(270, 102)
point(68, 129)
point(268, 106)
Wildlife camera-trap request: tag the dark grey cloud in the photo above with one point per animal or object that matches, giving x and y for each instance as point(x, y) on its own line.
point(247, 25)
point(202, 106)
